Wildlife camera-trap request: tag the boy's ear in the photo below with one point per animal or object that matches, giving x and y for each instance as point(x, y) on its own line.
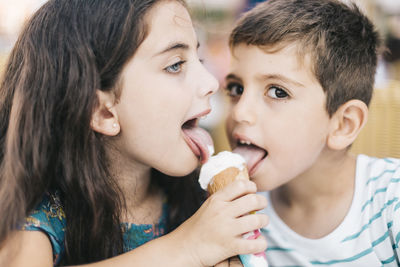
point(104, 117)
point(346, 124)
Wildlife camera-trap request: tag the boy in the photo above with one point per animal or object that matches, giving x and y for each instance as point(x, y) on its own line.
point(300, 82)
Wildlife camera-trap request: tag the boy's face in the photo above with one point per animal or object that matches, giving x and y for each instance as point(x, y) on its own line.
point(278, 106)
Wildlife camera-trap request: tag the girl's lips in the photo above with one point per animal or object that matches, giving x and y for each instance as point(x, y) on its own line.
point(198, 139)
point(199, 115)
point(192, 145)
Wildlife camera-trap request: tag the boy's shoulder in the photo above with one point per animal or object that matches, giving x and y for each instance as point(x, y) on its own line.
point(378, 169)
point(378, 181)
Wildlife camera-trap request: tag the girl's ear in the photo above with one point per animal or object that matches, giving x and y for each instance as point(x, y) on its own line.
point(347, 123)
point(105, 118)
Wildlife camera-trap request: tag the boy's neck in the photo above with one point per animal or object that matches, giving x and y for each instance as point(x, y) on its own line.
point(329, 185)
point(330, 176)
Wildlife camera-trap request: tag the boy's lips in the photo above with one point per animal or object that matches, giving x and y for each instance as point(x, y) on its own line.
point(253, 155)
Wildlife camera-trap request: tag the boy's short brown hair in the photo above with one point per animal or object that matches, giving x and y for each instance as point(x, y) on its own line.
point(341, 41)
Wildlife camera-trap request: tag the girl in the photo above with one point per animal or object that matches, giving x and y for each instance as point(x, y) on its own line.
point(100, 103)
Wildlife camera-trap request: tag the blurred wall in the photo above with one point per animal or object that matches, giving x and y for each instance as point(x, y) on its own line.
point(213, 21)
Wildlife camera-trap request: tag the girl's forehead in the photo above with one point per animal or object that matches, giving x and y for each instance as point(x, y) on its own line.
point(168, 22)
point(170, 12)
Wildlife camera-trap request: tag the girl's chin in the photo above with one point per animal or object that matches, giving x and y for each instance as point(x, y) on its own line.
point(182, 169)
point(178, 173)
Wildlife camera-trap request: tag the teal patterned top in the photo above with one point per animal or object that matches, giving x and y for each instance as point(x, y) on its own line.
point(49, 218)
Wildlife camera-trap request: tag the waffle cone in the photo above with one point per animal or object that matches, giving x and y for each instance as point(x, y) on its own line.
point(225, 177)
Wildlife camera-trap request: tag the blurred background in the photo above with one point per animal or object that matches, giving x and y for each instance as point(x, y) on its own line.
point(213, 21)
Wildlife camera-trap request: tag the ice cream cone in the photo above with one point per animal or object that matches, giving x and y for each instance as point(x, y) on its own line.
point(218, 172)
point(225, 177)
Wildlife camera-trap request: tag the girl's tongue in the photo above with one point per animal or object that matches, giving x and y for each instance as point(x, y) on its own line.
point(252, 154)
point(199, 141)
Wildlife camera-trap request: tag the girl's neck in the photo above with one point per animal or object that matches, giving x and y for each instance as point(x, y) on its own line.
point(135, 183)
point(142, 199)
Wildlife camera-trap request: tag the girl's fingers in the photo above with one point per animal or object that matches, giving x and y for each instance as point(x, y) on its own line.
point(247, 204)
point(224, 263)
point(231, 262)
point(236, 189)
point(250, 223)
point(251, 246)
point(235, 262)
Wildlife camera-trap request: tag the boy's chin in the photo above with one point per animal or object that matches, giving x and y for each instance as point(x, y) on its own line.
point(264, 183)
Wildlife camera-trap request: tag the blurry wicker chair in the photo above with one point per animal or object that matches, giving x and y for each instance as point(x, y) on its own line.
point(381, 135)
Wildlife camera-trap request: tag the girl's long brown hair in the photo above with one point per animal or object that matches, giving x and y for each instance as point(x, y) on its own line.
point(67, 50)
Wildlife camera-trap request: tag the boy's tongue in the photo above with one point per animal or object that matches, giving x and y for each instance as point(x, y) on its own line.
point(251, 154)
point(199, 140)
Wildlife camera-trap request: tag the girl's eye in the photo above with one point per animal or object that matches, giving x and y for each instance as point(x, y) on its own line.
point(234, 89)
point(276, 92)
point(175, 68)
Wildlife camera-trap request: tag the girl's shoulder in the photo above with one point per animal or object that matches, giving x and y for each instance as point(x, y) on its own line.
point(49, 218)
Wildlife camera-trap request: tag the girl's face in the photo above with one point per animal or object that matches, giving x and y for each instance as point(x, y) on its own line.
point(165, 91)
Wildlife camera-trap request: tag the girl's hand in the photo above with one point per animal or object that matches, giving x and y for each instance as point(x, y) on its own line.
point(231, 262)
point(214, 232)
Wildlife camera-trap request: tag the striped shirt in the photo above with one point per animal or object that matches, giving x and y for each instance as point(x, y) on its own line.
point(368, 236)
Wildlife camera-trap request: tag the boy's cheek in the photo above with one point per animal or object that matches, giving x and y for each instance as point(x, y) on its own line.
point(229, 130)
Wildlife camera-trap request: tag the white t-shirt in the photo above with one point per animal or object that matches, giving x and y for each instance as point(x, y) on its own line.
point(368, 236)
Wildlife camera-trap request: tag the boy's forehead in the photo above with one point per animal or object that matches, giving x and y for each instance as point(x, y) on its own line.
point(291, 55)
point(271, 62)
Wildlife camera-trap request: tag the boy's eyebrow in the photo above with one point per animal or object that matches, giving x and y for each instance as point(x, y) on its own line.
point(282, 78)
point(232, 76)
point(176, 46)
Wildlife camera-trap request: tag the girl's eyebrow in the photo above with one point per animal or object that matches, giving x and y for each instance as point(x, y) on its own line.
point(175, 46)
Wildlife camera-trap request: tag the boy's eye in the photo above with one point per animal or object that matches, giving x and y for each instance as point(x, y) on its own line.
point(234, 89)
point(175, 68)
point(276, 92)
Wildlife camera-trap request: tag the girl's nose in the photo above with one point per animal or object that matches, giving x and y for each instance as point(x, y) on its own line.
point(208, 83)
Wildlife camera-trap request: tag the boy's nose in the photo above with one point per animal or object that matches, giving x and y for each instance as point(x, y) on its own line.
point(244, 111)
